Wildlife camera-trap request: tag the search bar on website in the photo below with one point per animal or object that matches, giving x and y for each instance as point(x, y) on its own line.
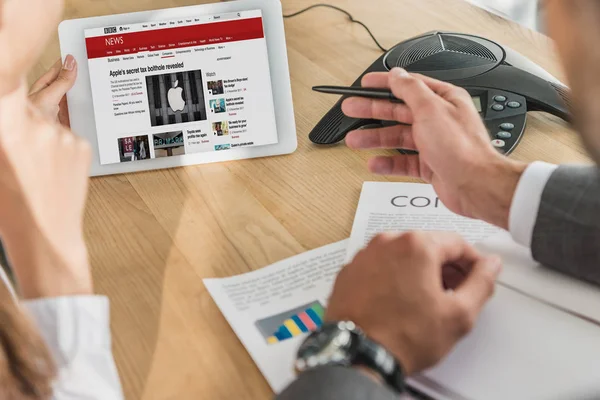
point(227, 16)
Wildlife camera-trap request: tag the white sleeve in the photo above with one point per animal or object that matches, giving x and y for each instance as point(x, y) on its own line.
point(526, 202)
point(77, 332)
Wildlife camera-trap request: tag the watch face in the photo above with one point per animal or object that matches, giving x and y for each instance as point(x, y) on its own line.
point(343, 344)
point(333, 344)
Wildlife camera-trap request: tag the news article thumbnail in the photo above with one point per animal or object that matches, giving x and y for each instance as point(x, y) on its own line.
point(134, 148)
point(217, 106)
point(176, 98)
point(169, 144)
point(215, 87)
point(220, 128)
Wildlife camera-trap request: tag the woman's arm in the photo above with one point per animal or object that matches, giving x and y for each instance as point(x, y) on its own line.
point(77, 332)
point(43, 195)
point(43, 189)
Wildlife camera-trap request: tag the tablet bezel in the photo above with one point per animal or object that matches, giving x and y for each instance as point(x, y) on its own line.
point(72, 41)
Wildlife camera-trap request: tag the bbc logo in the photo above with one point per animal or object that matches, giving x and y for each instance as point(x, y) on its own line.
point(110, 30)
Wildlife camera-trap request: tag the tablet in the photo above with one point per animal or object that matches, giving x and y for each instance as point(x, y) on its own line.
point(181, 86)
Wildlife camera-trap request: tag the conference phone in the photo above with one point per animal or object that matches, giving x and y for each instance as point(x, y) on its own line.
point(504, 85)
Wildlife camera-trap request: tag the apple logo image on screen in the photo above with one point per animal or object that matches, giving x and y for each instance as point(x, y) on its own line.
point(175, 98)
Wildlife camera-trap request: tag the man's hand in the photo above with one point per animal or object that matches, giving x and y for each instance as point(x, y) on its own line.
point(395, 291)
point(455, 153)
point(43, 188)
point(49, 92)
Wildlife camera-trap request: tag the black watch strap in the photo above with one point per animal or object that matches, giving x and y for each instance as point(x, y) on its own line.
point(342, 343)
point(377, 358)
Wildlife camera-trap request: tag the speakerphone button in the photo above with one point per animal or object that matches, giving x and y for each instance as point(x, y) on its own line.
point(500, 99)
point(498, 107)
point(514, 104)
point(507, 126)
point(503, 135)
point(498, 143)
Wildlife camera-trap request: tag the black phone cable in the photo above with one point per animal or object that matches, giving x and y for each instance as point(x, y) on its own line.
point(344, 12)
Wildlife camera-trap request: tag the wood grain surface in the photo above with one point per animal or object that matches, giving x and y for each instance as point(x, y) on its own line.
point(153, 236)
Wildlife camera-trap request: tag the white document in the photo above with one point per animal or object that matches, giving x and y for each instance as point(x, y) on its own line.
point(537, 338)
point(520, 349)
point(256, 304)
point(522, 273)
point(401, 207)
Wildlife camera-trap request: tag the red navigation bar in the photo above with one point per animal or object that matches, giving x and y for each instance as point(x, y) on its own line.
point(173, 38)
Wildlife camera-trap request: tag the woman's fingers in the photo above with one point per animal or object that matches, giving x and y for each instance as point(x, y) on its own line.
point(46, 79)
point(52, 94)
point(48, 93)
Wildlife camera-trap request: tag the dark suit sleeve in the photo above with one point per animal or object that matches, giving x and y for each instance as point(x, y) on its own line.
point(566, 235)
point(333, 383)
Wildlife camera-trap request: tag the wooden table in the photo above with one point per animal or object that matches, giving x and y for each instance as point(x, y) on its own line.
point(153, 236)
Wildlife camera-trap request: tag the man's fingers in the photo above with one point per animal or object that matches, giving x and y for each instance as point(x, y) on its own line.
point(421, 94)
point(357, 107)
point(393, 137)
point(55, 91)
point(400, 165)
point(379, 80)
point(453, 248)
point(445, 250)
point(479, 286)
point(452, 276)
point(451, 93)
point(46, 79)
point(419, 97)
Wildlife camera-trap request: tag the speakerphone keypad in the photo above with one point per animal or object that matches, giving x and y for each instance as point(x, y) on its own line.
point(505, 119)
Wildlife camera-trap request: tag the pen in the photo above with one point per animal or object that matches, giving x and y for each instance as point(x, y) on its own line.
point(369, 93)
point(355, 91)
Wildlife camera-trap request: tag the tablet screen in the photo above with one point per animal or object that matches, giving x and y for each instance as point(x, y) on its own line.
point(169, 88)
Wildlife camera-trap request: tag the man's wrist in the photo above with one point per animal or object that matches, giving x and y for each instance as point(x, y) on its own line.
point(401, 350)
point(492, 190)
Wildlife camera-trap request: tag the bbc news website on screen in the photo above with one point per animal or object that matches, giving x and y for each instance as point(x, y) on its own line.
point(169, 88)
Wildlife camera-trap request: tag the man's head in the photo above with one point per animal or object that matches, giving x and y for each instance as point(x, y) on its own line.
point(25, 27)
point(575, 26)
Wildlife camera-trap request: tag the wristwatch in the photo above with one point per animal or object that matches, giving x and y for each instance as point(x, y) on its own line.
point(344, 344)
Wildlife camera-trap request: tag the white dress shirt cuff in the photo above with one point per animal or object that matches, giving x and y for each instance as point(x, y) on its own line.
point(77, 332)
point(526, 202)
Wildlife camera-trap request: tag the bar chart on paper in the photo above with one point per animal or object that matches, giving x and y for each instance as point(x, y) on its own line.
point(292, 323)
